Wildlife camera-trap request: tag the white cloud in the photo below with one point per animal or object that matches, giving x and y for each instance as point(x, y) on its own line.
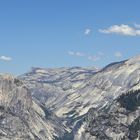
point(122, 30)
point(76, 53)
point(5, 58)
point(87, 31)
point(118, 54)
point(137, 25)
point(87, 56)
point(94, 58)
point(71, 53)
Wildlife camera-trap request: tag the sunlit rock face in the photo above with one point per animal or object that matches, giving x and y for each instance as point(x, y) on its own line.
point(72, 103)
point(21, 118)
point(119, 120)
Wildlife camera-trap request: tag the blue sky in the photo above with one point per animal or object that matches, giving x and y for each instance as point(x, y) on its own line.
point(52, 33)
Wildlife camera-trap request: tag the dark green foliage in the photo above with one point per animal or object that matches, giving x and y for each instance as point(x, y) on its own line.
point(2, 108)
point(67, 136)
point(18, 82)
point(130, 100)
point(46, 111)
point(134, 128)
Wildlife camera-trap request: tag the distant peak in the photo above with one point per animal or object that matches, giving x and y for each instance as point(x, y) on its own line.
point(135, 59)
point(6, 76)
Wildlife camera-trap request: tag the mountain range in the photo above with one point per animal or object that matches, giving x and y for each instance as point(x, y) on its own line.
point(72, 103)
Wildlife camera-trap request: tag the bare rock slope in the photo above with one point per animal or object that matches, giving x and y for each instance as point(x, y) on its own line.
point(72, 103)
point(21, 118)
point(70, 92)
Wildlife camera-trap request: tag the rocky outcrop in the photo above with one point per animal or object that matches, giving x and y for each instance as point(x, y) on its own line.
point(119, 120)
point(21, 118)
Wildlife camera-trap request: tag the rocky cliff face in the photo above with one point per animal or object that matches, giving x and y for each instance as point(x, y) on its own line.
point(73, 103)
point(21, 118)
point(119, 120)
